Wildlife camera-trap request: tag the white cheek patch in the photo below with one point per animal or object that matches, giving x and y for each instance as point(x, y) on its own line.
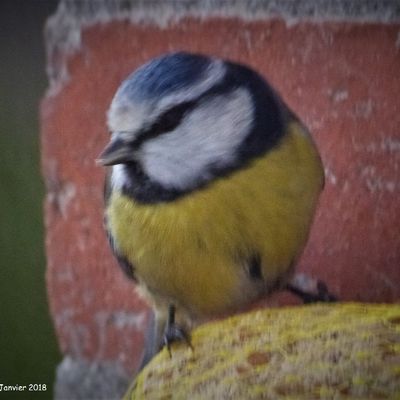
point(209, 136)
point(118, 177)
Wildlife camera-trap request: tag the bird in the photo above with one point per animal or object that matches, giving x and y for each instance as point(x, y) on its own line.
point(211, 188)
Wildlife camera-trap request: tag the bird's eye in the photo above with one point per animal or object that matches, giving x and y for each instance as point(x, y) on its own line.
point(172, 118)
point(166, 123)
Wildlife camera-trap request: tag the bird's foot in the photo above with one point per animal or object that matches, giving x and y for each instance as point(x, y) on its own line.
point(310, 290)
point(174, 332)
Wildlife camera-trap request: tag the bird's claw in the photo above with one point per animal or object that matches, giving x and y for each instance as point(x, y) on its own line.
point(310, 290)
point(174, 333)
point(323, 294)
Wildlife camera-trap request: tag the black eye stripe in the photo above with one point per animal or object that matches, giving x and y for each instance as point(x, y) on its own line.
point(167, 122)
point(171, 118)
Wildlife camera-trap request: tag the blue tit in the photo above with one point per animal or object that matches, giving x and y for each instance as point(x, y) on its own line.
point(212, 189)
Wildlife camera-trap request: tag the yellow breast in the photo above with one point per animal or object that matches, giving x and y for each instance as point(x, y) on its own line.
point(193, 250)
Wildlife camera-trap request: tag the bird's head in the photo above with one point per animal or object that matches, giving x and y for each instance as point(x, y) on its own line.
point(182, 119)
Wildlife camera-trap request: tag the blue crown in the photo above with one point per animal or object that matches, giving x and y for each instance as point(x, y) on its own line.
point(165, 75)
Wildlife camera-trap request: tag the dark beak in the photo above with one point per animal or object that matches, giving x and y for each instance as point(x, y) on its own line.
point(116, 152)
